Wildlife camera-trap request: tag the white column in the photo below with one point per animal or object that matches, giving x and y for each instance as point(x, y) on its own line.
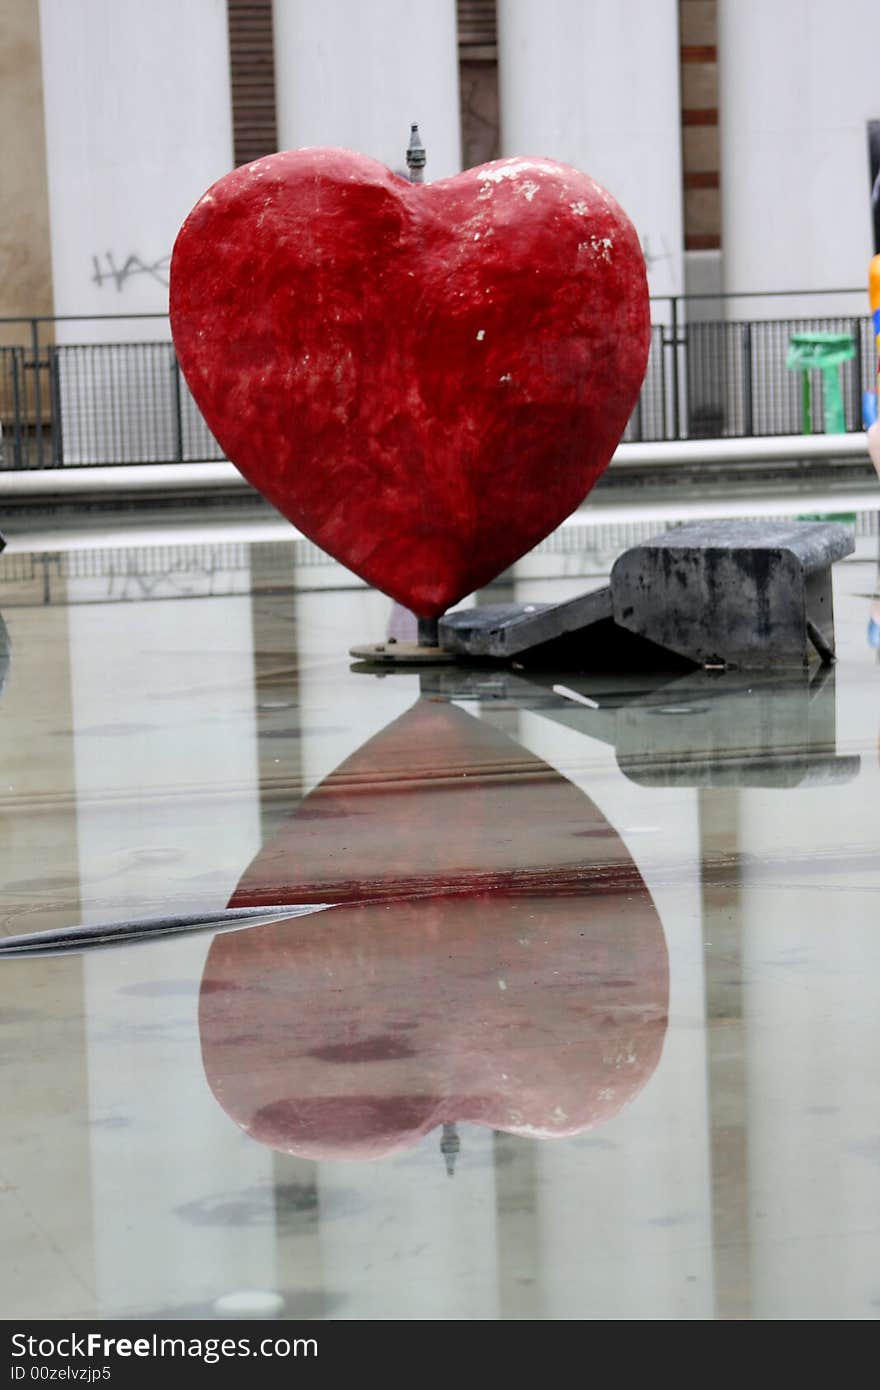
point(798, 83)
point(810, 962)
point(168, 816)
point(327, 624)
point(596, 85)
point(412, 1242)
point(45, 1213)
point(138, 124)
point(625, 1212)
point(356, 76)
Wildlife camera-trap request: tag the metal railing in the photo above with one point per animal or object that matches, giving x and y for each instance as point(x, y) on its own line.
point(86, 403)
point(67, 398)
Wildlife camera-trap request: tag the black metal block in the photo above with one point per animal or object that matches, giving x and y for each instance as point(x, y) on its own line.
point(749, 594)
point(753, 594)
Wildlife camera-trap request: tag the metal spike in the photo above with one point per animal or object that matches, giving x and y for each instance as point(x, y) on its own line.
point(416, 159)
point(450, 1145)
point(58, 940)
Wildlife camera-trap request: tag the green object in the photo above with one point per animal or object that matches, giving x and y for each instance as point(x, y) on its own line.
point(845, 518)
point(806, 420)
point(824, 352)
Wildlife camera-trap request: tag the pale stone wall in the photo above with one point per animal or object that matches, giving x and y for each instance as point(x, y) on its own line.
point(357, 76)
point(138, 124)
point(25, 263)
point(597, 86)
point(798, 85)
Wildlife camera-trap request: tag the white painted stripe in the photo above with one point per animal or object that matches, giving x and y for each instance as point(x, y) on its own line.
point(573, 695)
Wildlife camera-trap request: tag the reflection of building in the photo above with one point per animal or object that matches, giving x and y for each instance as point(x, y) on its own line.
point(139, 118)
point(736, 1182)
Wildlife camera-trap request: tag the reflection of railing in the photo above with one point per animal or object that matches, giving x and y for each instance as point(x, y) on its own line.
point(129, 571)
point(712, 373)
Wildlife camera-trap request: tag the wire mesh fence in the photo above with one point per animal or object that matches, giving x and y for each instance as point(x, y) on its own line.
point(85, 403)
point(739, 386)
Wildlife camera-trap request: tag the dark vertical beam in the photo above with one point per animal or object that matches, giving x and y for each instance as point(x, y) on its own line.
point(518, 1229)
point(276, 698)
point(727, 1087)
point(252, 79)
point(478, 81)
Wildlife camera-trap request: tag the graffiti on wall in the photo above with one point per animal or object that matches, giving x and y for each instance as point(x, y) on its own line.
point(654, 254)
point(107, 270)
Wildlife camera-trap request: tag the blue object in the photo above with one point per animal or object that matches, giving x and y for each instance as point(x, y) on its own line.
point(869, 409)
point(873, 633)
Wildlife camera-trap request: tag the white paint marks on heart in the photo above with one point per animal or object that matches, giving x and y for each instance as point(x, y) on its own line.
point(512, 170)
point(600, 246)
point(502, 984)
point(579, 208)
point(528, 190)
point(506, 377)
point(476, 236)
point(481, 335)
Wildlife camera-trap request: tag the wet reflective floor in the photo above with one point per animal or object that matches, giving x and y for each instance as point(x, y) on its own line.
point(580, 1018)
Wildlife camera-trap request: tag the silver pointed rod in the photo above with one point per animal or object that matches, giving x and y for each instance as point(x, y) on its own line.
point(416, 159)
point(450, 1145)
point(59, 940)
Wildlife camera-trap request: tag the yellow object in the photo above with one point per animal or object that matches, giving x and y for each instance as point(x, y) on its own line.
point(874, 300)
point(874, 284)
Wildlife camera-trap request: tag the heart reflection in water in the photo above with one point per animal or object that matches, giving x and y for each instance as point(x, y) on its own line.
point(495, 956)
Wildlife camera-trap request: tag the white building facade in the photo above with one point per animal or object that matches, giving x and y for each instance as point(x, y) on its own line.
point(734, 133)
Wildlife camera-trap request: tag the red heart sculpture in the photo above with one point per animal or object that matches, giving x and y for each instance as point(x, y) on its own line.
point(424, 379)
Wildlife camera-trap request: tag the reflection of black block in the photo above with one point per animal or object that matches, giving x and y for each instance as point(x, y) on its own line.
point(724, 730)
point(711, 729)
point(5, 655)
point(2, 541)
